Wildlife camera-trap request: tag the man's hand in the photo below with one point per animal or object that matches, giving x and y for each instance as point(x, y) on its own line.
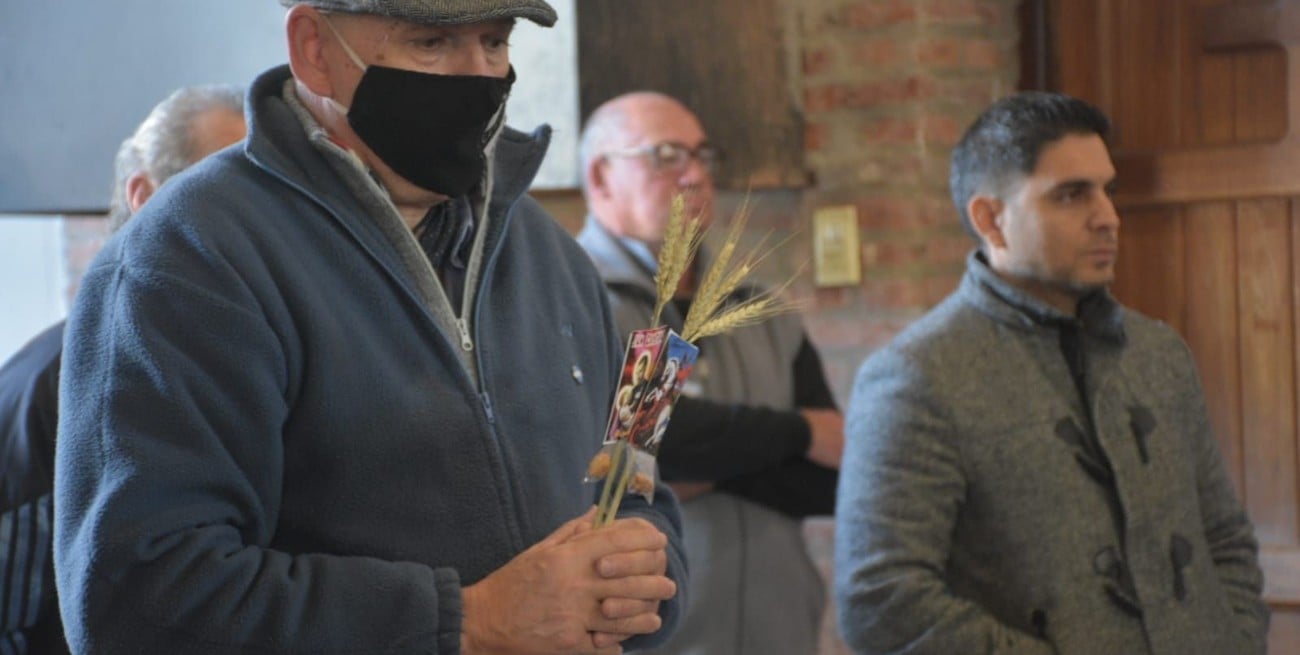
point(827, 444)
point(577, 592)
point(644, 563)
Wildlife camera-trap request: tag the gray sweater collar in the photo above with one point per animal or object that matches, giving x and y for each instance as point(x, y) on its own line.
point(1099, 314)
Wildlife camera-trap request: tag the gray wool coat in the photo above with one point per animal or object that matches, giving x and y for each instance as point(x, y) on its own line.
point(984, 509)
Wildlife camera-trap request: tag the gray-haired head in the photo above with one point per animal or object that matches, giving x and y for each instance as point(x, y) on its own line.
point(608, 124)
point(166, 143)
point(440, 12)
point(604, 127)
point(1005, 141)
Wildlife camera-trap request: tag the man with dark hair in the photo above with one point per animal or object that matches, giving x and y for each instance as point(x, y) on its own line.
point(336, 391)
point(188, 125)
point(1029, 467)
point(753, 444)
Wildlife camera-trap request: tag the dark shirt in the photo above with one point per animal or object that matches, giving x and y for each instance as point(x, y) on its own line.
point(29, 395)
point(446, 234)
point(754, 452)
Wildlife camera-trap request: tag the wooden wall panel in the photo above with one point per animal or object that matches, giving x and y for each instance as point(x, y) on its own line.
point(1147, 73)
point(1149, 272)
point(1284, 633)
point(1261, 113)
point(1208, 110)
point(1075, 35)
point(1264, 316)
point(1210, 244)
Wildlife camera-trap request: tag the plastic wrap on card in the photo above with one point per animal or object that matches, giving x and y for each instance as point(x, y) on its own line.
point(655, 366)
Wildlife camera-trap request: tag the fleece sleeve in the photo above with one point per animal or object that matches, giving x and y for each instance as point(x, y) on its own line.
point(170, 468)
point(897, 508)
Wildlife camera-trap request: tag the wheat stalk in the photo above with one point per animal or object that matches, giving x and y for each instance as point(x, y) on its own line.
point(710, 313)
point(711, 292)
point(749, 312)
point(681, 241)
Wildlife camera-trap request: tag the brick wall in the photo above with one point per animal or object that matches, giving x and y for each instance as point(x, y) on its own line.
point(888, 87)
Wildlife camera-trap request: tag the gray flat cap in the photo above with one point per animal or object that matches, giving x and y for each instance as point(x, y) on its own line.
point(440, 12)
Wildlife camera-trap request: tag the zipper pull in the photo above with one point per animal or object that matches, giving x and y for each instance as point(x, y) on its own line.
point(466, 343)
point(487, 407)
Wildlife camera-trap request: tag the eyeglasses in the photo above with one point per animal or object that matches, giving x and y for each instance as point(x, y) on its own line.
point(672, 156)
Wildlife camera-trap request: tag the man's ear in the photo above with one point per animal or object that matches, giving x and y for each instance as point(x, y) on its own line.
point(305, 28)
point(595, 178)
point(986, 216)
point(138, 189)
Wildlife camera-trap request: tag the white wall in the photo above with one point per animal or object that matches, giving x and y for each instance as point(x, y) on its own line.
point(32, 278)
point(546, 63)
point(77, 76)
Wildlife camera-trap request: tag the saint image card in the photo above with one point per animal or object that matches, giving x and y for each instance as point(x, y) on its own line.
point(640, 362)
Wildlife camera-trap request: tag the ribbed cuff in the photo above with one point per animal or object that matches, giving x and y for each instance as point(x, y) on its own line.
point(451, 610)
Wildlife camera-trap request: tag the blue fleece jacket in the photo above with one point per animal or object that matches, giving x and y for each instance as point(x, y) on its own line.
point(268, 444)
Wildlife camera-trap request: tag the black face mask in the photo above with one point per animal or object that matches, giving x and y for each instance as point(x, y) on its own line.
point(430, 129)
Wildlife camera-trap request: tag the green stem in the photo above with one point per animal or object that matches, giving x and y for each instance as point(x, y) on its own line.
point(629, 466)
point(615, 460)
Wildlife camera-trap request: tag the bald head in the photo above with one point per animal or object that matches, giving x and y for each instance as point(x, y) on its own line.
point(638, 151)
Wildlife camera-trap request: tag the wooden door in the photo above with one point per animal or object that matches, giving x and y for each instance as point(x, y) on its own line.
point(1205, 96)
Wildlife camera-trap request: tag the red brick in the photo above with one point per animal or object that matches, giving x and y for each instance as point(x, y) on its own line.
point(971, 92)
point(892, 166)
point(885, 291)
point(960, 53)
point(888, 213)
point(949, 248)
point(941, 130)
point(875, 14)
point(833, 297)
point(979, 13)
point(980, 54)
point(814, 136)
point(882, 52)
point(938, 287)
point(868, 95)
point(894, 254)
point(817, 61)
point(891, 92)
point(891, 131)
point(941, 52)
point(826, 97)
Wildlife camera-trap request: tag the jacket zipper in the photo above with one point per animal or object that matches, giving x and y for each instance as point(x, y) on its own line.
point(466, 343)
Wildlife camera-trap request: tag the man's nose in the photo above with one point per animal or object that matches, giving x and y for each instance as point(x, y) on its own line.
point(1106, 216)
point(695, 173)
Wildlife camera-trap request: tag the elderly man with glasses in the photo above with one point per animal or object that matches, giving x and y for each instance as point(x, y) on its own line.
point(754, 444)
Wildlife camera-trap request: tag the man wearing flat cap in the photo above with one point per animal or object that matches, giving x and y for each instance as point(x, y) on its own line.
point(334, 391)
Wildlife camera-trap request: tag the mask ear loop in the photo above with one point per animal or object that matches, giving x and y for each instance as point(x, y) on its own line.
point(352, 54)
point(338, 106)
